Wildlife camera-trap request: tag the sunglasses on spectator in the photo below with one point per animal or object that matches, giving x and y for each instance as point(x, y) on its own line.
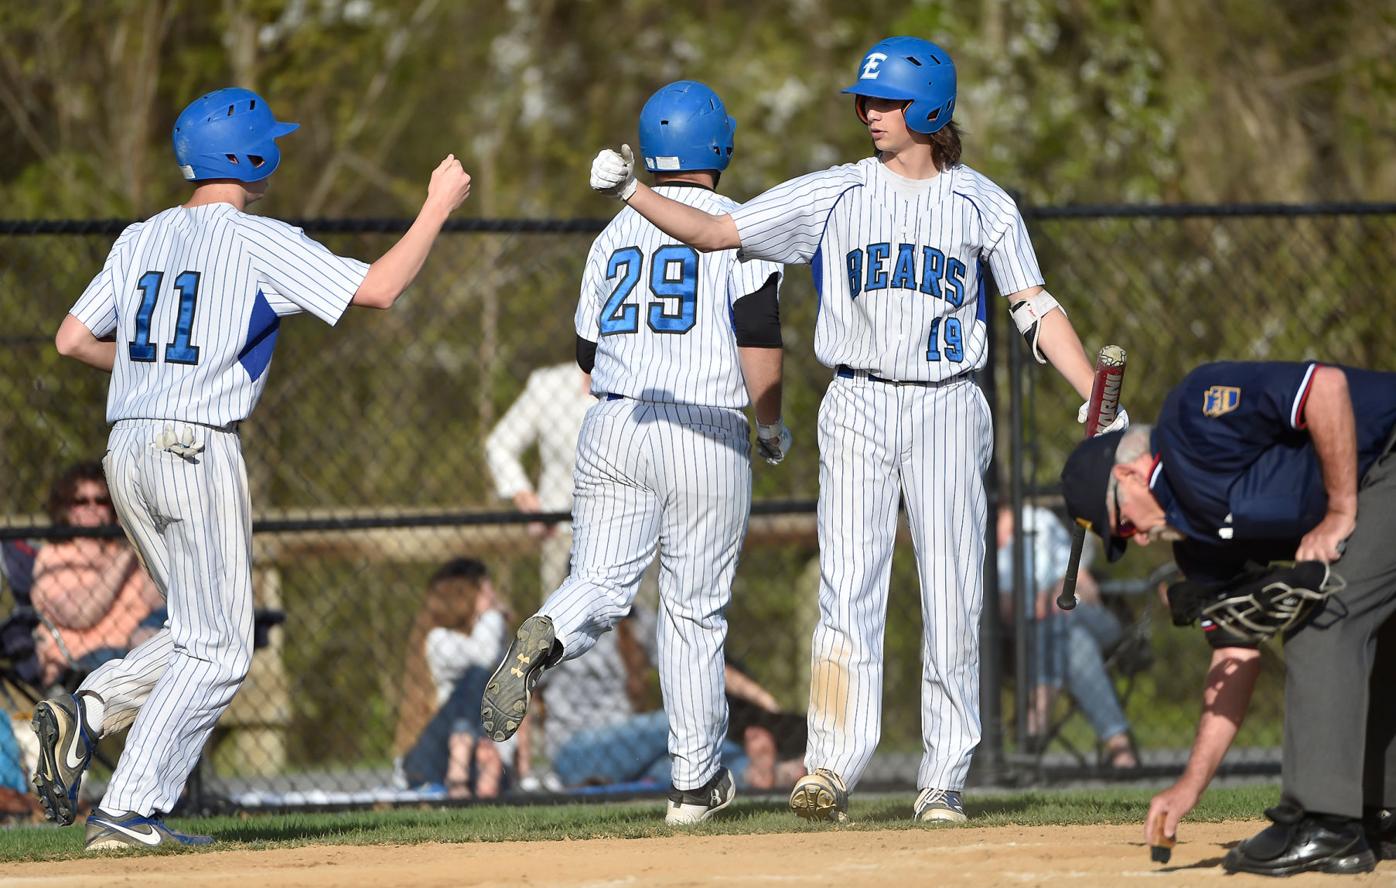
point(90, 501)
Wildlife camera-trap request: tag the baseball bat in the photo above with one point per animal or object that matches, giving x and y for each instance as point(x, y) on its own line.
point(1104, 407)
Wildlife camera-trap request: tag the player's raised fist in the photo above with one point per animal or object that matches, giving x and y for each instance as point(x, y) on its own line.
point(450, 184)
point(613, 172)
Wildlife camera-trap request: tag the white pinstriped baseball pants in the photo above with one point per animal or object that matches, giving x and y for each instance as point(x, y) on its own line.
point(676, 477)
point(191, 521)
point(929, 445)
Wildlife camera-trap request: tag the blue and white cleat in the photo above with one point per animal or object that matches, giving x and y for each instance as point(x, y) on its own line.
point(107, 832)
point(65, 751)
point(939, 806)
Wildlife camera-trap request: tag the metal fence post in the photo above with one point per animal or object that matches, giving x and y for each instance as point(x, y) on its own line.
point(990, 756)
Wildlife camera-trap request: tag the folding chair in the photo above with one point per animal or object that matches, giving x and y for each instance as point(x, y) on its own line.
point(1125, 660)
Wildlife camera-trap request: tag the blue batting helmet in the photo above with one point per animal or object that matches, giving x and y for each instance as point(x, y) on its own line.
point(228, 134)
point(914, 70)
point(684, 126)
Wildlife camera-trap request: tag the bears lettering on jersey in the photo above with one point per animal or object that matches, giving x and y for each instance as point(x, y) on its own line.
point(915, 268)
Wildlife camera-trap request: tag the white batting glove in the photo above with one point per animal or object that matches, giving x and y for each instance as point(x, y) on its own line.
point(773, 441)
point(613, 173)
point(1119, 425)
point(178, 440)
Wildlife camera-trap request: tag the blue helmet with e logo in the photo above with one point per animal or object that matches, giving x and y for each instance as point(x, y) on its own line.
point(912, 70)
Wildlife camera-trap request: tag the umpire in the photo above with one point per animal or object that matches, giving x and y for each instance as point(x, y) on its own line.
point(1255, 462)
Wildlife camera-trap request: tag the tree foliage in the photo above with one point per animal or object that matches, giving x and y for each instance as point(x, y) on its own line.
point(1064, 100)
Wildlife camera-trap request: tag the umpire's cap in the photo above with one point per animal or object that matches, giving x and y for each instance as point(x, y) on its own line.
point(1085, 482)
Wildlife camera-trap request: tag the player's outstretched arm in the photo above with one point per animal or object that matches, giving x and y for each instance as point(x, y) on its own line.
point(1227, 696)
point(613, 173)
point(74, 340)
point(397, 269)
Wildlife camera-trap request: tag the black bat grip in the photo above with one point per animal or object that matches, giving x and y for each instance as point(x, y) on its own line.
point(1067, 600)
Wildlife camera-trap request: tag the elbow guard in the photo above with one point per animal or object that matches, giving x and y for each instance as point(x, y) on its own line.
point(756, 316)
point(586, 354)
point(1027, 317)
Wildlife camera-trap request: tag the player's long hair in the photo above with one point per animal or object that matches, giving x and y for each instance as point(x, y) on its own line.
point(945, 146)
point(449, 603)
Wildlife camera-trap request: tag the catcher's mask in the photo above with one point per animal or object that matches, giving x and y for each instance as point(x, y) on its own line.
point(1257, 604)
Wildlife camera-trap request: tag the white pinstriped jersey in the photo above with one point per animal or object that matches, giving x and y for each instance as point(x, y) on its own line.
point(896, 262)
point(661, 312)
point(195, 296)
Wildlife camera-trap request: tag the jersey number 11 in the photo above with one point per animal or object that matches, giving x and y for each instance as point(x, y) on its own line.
point(178, 350)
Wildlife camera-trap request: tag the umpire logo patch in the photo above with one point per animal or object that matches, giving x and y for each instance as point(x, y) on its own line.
point(1220, 400)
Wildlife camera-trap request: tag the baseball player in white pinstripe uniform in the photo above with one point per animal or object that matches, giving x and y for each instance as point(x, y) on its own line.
point(194, 297)
point(678, 340)
point(896, 244)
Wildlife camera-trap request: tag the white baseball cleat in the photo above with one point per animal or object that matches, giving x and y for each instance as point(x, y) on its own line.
point(696, 805)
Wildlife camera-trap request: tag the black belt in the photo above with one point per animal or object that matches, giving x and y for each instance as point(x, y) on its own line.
point(849, 373)
point(611, 397)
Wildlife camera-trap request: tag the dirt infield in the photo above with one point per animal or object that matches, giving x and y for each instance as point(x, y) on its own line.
point(981, 857)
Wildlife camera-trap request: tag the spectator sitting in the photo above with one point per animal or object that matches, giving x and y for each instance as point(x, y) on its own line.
point(597, 732)
point(93, 594)
point(1067, 648)
point(457, 637)
point(763, 749)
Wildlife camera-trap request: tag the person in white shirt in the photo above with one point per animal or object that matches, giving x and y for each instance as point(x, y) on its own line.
point(548, 413)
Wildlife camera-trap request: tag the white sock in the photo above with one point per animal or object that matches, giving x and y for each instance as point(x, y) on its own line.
point(93, 709)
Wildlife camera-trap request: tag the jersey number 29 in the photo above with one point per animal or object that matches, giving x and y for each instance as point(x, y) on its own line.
point(178, 350)
point(673, 279)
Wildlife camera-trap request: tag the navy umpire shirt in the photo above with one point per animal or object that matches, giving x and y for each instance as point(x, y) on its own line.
point(1234, 468)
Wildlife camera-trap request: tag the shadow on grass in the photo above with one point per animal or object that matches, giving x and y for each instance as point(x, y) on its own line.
point(282, 832)
point(365, 825)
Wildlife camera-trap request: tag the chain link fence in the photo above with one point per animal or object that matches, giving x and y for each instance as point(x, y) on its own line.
point(390, 458)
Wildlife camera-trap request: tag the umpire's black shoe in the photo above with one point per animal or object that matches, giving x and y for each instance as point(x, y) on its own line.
point(1299, 843)
point(506, 696)
point(1381, 831)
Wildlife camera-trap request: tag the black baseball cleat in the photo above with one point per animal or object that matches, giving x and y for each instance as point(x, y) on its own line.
point(696, 805)
point(1297, 842)
point(65, 751)
point(506, 696)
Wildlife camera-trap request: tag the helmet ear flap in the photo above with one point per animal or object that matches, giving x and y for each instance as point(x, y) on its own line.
point(860, 107)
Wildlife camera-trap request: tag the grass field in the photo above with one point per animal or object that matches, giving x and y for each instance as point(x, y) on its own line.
point(636, 820)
